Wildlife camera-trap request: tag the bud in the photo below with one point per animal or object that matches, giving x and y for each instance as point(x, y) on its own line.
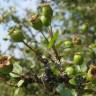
point(16, 34)
point(36, 22)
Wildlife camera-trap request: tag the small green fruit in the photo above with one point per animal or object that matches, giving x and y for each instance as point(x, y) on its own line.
point(69, 70)
point(78, 59)
point(68, 44)
point(46, 10)
point(36, 22)
point(84, 27)
point(16, 34)
point(45, 21)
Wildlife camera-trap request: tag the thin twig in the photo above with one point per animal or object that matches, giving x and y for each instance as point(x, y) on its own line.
point(18, 74)
point(44, 36)
point(50, 57)
point(29, 47)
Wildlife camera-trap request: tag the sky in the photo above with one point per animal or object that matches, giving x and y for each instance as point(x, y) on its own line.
point(20, 5)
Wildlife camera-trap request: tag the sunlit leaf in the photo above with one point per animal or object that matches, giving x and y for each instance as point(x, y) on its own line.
point(53, 39)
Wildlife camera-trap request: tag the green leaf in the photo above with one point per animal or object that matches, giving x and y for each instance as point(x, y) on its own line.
point(53, 39)
point(94, 82)
point(83, 67)
point(72, 81)
point(55, 70)
point(16, 69)
point(16, 92)
point(59, 44)
point(20, 83)
point(63, 91)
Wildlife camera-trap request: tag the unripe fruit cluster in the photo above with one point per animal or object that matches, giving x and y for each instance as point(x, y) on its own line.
point(38, 21)
point(44, 18)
